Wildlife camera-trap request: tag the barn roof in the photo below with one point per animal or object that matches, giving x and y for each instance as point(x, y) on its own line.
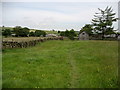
point(82, 32)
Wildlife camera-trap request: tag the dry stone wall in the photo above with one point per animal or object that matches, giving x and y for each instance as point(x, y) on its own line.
point(25, 44)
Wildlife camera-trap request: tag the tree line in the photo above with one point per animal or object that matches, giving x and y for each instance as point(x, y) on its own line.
point(70, 34)
point(18, 31)
point(102, 24)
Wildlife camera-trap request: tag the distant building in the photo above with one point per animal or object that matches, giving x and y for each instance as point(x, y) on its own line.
point(83, 36)
point(13, 35)
point(51, 35)
point(110, 35)
point(118, 37)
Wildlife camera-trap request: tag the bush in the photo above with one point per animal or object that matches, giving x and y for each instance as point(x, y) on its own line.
point(70, 34)
point(71, 37)
point(6, 32)
point(39, 33)
point(19, 31)
point(32, 34)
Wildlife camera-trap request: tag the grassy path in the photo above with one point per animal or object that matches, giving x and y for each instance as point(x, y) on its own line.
point(62, 64)
point(74, 72)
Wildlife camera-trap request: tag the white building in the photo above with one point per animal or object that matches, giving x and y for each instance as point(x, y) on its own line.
point(83, 36)
point(51, 35)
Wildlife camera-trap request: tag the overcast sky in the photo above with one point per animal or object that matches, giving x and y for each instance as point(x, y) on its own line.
point(52, 15)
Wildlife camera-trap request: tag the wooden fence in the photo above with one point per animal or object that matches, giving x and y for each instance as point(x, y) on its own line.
point(24, 44)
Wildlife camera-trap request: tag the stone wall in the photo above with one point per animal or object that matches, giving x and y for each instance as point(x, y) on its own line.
point(25, 44)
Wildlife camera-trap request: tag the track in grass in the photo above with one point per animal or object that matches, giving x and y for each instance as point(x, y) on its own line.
point(62, 64)
point(74, 72)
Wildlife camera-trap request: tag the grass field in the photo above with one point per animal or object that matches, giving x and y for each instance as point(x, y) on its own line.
point(62, 64)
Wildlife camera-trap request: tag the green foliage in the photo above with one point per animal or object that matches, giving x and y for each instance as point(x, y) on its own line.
point(43, 33)
point(58, 31)
point(71, 37)
point(6, 32)
point(103, 21)
point(70, 34)
point(88, 29)
point(38, 33)
point(32, 34)
point(109, 31)
point(62, 33)
point(67, 33)
point(25, 31)
point(19, 31)
point(53, 30)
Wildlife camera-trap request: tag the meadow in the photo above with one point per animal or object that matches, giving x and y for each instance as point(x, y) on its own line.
point(62, 64)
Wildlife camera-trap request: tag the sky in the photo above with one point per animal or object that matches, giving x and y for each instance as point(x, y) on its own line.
point(52, 15)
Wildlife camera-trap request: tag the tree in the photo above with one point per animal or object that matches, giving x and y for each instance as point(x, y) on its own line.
point(6, 32)
point(31, 34)
point(43, 33)
point(70, 34)
point(62, 33)
point(19, 31)
point(25, 31)
point(58, 31)
point(66, 33)
point(53, 30)
point(88, 29)
point(103, 21)
point(38, 33)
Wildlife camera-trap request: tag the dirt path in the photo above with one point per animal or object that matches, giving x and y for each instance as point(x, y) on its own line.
point(73, 72)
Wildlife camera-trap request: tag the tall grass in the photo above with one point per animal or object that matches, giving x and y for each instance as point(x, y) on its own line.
point(62, 64)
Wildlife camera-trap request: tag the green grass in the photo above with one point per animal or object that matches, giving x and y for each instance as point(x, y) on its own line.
point(62, 64)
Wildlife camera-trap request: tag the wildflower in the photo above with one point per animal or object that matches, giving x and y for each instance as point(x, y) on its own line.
point(27, 72)
point(42, 75)
point(98, 70)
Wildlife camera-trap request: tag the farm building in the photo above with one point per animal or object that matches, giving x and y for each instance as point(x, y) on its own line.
point(83, 36)
point(51, 35)
point(118, 37)
point(110, 35)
